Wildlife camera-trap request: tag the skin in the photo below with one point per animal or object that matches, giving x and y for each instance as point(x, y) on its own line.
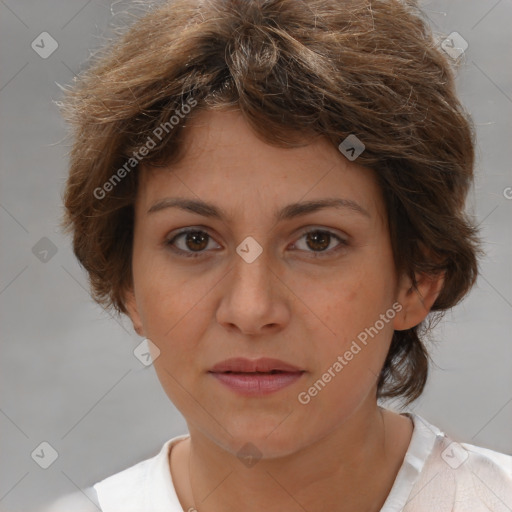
point(338, 452)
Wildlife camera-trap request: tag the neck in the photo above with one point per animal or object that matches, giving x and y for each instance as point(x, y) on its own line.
point(351, 469)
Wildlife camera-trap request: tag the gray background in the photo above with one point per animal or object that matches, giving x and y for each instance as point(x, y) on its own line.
point(68, 374)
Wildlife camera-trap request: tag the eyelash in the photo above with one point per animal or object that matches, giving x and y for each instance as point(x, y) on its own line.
point(314, 254)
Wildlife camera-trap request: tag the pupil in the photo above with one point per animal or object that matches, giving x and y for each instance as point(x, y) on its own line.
point(316, 236)
point(196, 237)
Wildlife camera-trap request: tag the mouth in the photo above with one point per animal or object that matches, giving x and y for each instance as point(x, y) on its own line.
point(262, 365)
point(256, 377)
point(271, 372)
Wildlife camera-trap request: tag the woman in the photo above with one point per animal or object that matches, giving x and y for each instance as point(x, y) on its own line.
point(273, 192)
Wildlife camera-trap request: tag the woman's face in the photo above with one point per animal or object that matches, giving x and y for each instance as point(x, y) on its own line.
point(252, 283)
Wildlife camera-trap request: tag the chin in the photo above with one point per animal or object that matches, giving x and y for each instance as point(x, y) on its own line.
point(267, 439)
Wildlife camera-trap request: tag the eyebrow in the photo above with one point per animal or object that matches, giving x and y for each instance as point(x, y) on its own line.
point(288, 212)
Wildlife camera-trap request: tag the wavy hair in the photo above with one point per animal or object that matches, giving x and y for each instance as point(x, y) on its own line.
point(294, 68)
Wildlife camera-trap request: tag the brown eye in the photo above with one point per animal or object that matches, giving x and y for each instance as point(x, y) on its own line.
point(318, 241)
point(193, 242)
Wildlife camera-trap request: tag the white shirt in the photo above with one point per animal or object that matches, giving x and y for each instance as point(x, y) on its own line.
point(437, 475)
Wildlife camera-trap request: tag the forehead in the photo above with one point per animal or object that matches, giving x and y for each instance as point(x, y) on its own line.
point(224, 161)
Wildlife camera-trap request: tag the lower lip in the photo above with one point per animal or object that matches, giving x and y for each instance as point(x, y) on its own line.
point(255, 384)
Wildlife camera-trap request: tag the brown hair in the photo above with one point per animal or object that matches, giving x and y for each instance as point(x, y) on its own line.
point(293, 68)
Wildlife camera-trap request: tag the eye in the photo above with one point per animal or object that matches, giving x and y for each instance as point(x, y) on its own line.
point(319, 240)
point(196, 240)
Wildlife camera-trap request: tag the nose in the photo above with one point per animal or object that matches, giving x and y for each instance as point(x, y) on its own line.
point(253, 297)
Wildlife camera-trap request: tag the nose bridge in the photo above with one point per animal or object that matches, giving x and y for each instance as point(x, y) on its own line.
point(251, 268)
point(250, 299)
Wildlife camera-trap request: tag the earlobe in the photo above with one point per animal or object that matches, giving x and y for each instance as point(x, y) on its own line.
point(133, 312)
point(417, 301)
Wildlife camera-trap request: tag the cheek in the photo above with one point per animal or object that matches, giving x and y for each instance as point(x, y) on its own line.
point(172, 311)
point(350, 305)
point(175, 311)
point(164, 293)
point(347, 364)
point(351, 300)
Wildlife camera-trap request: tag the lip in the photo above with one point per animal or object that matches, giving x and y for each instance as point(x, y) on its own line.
point(256, 377)
point(263, 364)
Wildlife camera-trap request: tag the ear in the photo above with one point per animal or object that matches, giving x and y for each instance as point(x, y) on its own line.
point(131, 305)
point(416, 301)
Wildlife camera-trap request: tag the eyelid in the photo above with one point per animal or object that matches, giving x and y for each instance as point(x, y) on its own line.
point(313, 228)
point(171, 238)
point(342, 239)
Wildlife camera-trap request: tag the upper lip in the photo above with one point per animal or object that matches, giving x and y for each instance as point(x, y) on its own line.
point(242, 365)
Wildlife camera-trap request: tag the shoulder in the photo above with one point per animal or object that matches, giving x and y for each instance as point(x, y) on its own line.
point(147, 485)
point(488, 457)
point(80, 501)
point(459, 476)
point(127, 490)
